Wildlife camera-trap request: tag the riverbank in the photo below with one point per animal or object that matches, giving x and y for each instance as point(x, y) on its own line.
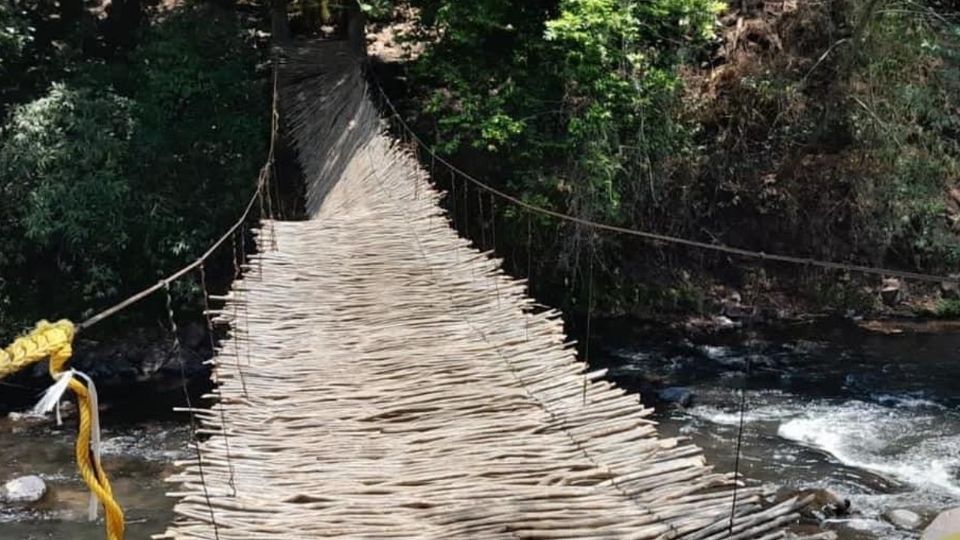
point(832, 404)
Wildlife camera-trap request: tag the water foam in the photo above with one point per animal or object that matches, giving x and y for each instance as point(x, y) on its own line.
point(716, 415)
point(909, 401)
point(883, 441)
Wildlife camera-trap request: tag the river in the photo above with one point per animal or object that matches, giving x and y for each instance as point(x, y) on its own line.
point(873, 417)
point(137, 454)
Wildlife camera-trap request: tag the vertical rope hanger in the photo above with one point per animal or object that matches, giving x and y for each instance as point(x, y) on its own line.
point(454, 211)
point(236, 317)
point(493, 221)
point(190, 410)
point(466, 204)
point(216, 380)
point(493, 233)
point(586, 354)
point(483, 223)
point(242, 295)
point(529, 269)
point(466, 221)
point(736, 466)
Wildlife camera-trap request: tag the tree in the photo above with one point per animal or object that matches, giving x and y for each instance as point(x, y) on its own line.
point(119, 176)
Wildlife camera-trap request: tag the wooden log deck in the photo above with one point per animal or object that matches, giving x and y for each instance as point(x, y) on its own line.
point(385, 379)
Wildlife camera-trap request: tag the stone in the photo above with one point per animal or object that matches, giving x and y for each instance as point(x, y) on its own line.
point(738, 310)
point(950, 290)
point(904, 519)
point(23, 490)
point(891, 291)
point(677, 394)
point(945, 527)
point(724, 323)
point(823, 504)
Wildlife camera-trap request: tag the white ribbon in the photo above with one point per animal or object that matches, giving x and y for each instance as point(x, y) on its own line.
point(51, 400)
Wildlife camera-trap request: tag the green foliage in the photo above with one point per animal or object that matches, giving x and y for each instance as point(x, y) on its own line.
point(904, 111)
point(840, 295)
point(377, 9)
point(119, 176)
point(620, 75)
point(947, 308)
point(577, 102)
point(61, 190)
point(62, 181)
point(202, 117)
point(15, 34)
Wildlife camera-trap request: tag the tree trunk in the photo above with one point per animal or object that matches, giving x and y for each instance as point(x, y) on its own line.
point(279, 21)
point(356, 28)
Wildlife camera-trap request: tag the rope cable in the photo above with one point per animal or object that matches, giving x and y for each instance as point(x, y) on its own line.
point(216, 380)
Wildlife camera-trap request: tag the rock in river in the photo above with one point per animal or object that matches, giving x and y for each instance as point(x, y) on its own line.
point(904, 519)
point(821, 503)
point(23, 490)
point(676, 394)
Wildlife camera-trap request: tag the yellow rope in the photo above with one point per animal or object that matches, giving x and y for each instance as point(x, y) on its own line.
point(47, 340)
point(55, 341)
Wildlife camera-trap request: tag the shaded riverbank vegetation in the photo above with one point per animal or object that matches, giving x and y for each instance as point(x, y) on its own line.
point(133, 134)
point(815, 129)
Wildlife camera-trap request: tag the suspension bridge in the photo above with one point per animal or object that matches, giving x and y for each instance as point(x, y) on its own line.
point(385, 379)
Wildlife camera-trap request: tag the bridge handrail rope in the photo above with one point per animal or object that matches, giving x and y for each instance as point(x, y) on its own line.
point(656, 237)
point(55, 341)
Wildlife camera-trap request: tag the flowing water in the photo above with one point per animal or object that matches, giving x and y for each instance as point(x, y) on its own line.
point(873, 417)
point(137, 455)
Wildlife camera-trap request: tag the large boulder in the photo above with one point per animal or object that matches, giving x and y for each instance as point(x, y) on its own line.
point(904, 519)
point(945, 527)
point(23, 490)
